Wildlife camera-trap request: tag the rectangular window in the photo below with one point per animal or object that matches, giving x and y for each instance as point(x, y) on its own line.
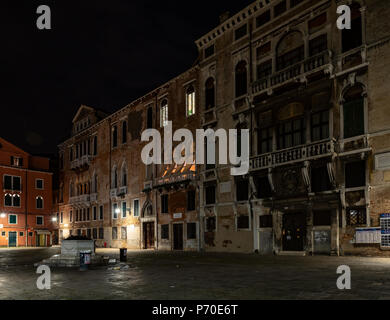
point(124, 210)
point(356, 217)
point(320, 179)
point(94, 210)
point(124, 132)
point(165, 232)
point(292, 134)
point(210, 195)
point(13, 219)
point(136, 208)
point(318, 45)
point(88, 214)
point(95, 145)
point(62, 217)
point(101, 213)
point(320, 126)
point(191, 231)
point(39, 221)
point(95, 233)
point(263, 18)
point(321, 218)
point(114, 136)
point(16, 161)
point(191, 200)
point(16, 184)
point(164, 203)
point(7, 181)
point(352, 38)
point(21, 234)
point(266, 221)
point(114, 233)
point(190, 101)
point(71, 216)
point(280, 8)
point(12, 183)
point(242, 190)
point(264, 70)
point(209, 51)
point(150, 118)
point(265, 140)
point(89, 233)
point(353, 118)
point(164, 115)
point(243, 222)
point(101, 233)
point(211, 224)
point(355, 174)
point(124, 233)
point(241, 32)
point(263, 50)
point(115, 211)
point(39, 184)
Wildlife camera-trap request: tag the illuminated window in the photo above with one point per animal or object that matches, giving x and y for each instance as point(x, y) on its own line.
point(190, 101)
point(164, 114)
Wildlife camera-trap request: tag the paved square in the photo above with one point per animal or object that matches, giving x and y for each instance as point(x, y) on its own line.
point(172, 276)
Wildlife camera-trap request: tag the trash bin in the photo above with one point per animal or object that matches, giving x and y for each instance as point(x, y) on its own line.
point(85, 260)
point(123, 255)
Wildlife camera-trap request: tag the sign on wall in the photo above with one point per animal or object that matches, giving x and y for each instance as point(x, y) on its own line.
point(385, 230)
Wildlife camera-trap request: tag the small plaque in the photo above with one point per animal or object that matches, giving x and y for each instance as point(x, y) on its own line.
point(382, 161)
point(225, 187)
point(177, 216)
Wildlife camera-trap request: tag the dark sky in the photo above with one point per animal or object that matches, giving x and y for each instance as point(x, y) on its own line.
point(100, 53)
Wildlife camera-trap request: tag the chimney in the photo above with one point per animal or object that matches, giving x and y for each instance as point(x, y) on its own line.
point(224, 16)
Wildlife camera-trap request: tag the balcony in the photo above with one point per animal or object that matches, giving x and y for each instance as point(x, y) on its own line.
point(294, 73)
point(353, 146)
point(82, 201)
point(81, 163)
point(293, 155)
point(122, 191)
point(113, 193)
point(175, 179)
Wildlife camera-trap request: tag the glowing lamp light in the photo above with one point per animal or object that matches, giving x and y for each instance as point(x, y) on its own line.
point(54, 219)
point(3, 215)
point(117, 211)
point(67, 225)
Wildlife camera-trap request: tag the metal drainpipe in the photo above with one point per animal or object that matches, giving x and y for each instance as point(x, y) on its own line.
point(25, 209)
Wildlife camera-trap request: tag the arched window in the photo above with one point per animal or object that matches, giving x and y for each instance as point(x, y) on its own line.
point(190, 101)
point(95, 145)
point(71, 189)
point(210, 94)
point(241, 79)
point(39, 202)
point(164, 113)
point(352, 38)
point(124, 132)
point(290, 50)
point(353, 111)
point(124, 175)
point(114, 136)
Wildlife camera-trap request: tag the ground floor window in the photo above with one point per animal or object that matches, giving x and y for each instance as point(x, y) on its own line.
point(356, 216)
point(124, 233)
point(243, 222)
point(165, 232)
point(191, 231)
point(114, 233)
point(101, 233)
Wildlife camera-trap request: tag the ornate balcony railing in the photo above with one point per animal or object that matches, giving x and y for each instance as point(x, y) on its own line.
point(172, 179)
point(310, 65)
point(289, 156)
point(84, 161)
point(80, 200)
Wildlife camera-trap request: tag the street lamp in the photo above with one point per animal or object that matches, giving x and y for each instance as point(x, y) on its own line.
point(54, 219)
point(117, 211)
point(3, 215)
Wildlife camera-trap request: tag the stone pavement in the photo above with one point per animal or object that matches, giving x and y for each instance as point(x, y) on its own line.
point(172, 276)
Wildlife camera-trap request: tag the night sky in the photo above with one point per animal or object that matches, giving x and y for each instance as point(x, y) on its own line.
point(100, 53)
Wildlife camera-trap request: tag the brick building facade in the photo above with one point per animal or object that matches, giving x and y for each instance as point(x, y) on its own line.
point(314, 99)
point(26, 205)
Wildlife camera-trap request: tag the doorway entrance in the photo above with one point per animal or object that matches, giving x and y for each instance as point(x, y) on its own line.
point(41, 240)
point(148, 235)
point(12, 239)
point(294, 231)
point(178, 243)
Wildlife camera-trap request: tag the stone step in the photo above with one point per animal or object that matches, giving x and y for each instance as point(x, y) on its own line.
point(292, 253)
